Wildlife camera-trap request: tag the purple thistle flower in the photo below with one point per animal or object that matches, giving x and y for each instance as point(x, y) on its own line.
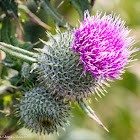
point(103, 45)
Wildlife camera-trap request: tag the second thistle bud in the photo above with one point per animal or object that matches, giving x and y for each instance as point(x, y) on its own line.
point(41, 112)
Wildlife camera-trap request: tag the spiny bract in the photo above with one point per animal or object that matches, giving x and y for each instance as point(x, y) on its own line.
point(58, 71)
point(41, 112)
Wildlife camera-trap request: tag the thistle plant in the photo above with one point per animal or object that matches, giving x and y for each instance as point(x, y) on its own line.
point(73, 65)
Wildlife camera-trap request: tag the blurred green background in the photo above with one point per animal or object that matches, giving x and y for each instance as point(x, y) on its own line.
point(119, 110)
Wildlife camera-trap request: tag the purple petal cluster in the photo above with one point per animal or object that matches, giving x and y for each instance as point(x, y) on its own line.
point(103, 45)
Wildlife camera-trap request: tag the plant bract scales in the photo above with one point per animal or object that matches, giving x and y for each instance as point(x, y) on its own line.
point(41, 112)
point(59, 71)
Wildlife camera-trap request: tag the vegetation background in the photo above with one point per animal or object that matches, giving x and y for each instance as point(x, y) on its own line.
point(119, 110)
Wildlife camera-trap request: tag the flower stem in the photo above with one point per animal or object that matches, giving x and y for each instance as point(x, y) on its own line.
point(22, 54)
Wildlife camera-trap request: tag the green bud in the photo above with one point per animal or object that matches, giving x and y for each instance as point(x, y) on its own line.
point(39, 111)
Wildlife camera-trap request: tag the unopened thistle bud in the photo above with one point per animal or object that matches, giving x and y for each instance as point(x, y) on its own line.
point(41, 112)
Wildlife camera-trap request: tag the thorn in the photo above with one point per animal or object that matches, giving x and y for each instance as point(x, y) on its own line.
point(89, 101)
point(96, 99)
point(64, 100)
point(36, 43)
point(70, 99)
point(7, 115)
point(93, 95)
point(60, 4)
point(97, 93)
point(105, 128)
point(57, 133)
point(63, 128)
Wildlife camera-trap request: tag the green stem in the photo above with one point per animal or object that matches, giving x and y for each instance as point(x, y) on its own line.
point(18, 53)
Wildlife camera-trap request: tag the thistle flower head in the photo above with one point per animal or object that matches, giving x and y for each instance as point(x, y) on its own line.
point(103, 45)
point(57, 69)
point(41, 112)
